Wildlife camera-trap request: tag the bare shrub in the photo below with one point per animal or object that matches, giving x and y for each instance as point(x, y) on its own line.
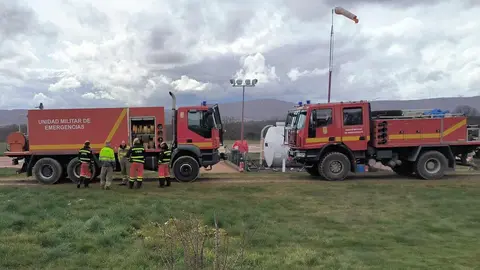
point(188, 243)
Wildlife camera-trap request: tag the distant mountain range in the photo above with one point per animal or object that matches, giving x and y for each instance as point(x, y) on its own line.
point(272, 109)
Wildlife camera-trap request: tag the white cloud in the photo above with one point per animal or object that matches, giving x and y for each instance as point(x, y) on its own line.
point(64, 84)
point(41, 98)
point(97, 95)
point(187, 84)
point(295, 74)
point(255, 67)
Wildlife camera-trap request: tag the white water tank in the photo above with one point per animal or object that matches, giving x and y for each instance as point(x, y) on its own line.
point(274, 151)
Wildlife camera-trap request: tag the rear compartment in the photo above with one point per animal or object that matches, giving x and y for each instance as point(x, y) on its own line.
point(410, 132)
point(65, 130)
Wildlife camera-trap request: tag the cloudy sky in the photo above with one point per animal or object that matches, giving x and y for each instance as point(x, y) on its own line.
point(71, 53)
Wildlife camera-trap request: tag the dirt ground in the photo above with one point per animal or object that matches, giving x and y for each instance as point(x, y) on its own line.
point(220, 167)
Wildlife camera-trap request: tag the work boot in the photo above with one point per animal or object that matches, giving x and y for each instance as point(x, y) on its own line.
point(79, 182)
point(168, 181)
point(86, 182)
point(130, 184)
point(161, 182)
point(139, 185)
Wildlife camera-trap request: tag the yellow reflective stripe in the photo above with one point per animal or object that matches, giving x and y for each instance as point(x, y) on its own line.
point(84, 151)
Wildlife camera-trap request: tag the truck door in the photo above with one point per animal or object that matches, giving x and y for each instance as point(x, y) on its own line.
point(322, 126)
point(218, 124)
point(355, 126)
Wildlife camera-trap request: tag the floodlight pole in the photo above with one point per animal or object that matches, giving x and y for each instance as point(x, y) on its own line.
point(243, 109)
point(243, 84)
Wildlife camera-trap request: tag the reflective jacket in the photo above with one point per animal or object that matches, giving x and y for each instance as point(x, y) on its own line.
point(122, 152)
point(85, 155)
point(136, 154)
point(164, 157)
point(107, 157)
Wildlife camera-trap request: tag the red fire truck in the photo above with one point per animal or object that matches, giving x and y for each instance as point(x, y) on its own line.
point(335, 139)
point(49, 151)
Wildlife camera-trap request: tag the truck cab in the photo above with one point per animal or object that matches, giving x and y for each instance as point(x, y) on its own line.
point(315, 131)
point(316, 125)
point(197, 137)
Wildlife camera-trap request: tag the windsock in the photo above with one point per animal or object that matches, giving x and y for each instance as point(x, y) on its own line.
point(346, 13)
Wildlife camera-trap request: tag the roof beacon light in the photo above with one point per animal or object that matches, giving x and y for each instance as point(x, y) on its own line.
point(204, 103)
point(308, 102)
point(299, 103)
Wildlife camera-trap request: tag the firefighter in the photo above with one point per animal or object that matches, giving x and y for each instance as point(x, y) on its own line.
point(136, 155)
point(124, 164)
point(164, 165)
point(85, 156)
point(107, 158)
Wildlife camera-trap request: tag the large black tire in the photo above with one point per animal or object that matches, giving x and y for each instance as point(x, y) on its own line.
point(186, 169)
point(431, 165)
point(334, 166)
point(47, 171)
point(313, 171)
point(405, 169)
point(73, 170)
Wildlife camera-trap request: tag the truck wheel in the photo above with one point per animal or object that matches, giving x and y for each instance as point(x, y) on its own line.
point(73, 170)
point(405, 169)
point(431, 165)
point(47, 171)
point(186, 169)
point(313, 171)
point(335, 166)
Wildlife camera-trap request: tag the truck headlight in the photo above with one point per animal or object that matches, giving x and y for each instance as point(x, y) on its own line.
point(301, 155)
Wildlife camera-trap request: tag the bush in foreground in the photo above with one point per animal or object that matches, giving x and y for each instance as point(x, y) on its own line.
point(192, 245)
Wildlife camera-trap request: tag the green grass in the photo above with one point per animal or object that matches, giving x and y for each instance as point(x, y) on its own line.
point(2, 148)
point(320, 225)
point(5, 172)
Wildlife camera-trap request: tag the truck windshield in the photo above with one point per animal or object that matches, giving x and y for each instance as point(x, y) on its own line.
point(292, 119)
point(300, 119)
